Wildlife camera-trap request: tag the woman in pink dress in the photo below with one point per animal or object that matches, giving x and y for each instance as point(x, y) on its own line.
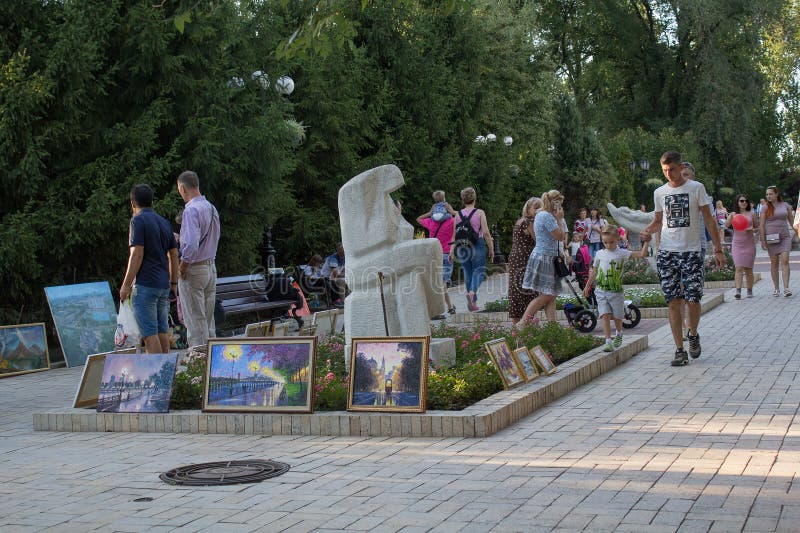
point(775, 221)
point(743, 245)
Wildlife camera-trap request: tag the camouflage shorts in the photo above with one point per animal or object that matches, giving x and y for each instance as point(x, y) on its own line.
point(681, 275)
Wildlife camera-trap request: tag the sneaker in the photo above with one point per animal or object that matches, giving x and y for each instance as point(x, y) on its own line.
point(609, 347)
point(694, 345)
point(681, 358)
point(738, 294)
point(749, 293)
point(617, 342)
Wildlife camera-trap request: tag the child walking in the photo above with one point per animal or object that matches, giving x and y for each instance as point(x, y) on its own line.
point(606, 273)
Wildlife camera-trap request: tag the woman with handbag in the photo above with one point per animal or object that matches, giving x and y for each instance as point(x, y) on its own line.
point(546, 265)
point(522, 244)
point(775, 220)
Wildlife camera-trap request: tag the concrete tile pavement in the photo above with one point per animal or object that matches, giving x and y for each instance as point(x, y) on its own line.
point(714, 446)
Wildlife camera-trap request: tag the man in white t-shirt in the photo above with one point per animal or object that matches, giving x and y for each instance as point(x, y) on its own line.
point(681, 205)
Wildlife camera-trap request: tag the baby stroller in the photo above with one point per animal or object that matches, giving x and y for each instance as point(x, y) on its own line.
point(583, 315)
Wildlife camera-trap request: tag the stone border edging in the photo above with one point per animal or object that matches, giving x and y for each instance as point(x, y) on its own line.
point(479, 420)
point(709, 301)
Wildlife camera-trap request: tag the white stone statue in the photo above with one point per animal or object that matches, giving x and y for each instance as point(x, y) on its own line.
point(634, 222)
point(377, 239)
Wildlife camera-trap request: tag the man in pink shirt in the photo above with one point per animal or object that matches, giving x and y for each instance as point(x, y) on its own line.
point(443, 231)
point(199, 237)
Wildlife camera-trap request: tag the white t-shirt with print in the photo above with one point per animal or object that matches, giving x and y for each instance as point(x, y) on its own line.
point(609, 268)
point(681, 221)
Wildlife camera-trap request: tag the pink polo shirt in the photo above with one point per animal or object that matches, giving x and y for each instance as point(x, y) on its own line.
point(445, 234)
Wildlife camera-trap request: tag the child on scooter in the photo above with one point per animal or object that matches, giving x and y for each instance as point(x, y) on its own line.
point(606, 273)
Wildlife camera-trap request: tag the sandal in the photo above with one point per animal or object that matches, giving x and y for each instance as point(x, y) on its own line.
point(775, 292)
point(787, 293)
point(451, 309)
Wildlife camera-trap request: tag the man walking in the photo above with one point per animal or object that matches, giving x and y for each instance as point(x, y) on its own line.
point(198, 274)
point(681, 205)
point(152, 267)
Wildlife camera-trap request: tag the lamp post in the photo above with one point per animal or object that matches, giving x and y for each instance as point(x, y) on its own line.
point(644, 168)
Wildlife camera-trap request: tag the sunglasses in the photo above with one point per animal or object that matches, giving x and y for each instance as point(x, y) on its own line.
point(745, 200)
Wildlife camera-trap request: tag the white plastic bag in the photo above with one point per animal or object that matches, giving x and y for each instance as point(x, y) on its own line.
point(127, 334)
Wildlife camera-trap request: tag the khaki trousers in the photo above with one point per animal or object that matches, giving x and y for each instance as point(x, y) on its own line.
point(197, 293)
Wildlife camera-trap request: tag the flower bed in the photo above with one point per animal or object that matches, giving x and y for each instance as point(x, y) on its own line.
point(471, 379)
point(643, 298)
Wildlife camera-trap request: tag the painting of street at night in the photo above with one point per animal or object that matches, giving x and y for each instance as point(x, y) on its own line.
point(388, 374)
point(260, 375)
point(137, 383)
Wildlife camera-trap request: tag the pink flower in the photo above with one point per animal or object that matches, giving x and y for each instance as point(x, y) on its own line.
point(464, 345)
point(476, 336)
point(330, 377)
point(318, 388)
point(513, 333)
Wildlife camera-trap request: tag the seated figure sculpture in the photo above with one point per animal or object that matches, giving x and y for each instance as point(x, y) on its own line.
point(634, 222)
point(377, 239)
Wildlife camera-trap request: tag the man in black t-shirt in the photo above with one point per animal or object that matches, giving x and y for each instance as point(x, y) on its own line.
point(152, 273)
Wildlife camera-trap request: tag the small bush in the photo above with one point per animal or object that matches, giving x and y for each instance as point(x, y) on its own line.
point(638, 272)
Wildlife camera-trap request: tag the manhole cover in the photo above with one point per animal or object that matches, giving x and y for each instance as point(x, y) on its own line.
point(224, 473)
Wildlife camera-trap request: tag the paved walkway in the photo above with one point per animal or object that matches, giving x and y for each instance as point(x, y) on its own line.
point(714, 446)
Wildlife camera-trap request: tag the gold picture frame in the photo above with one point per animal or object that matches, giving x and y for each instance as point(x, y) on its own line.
point(524, 361)
point(91, 376)
point(388, 374)
point(504, 362)
point(544, 360)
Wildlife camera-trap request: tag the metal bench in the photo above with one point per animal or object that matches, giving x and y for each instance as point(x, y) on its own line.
point(266, 298)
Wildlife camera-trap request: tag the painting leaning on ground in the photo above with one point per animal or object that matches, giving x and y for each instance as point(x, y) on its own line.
point(23, 349)
point(263, 375)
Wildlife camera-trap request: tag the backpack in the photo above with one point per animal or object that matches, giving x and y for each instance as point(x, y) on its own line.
point(465, 235)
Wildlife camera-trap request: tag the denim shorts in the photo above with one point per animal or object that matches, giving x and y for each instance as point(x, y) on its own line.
point(447, 270)
point(151, 308)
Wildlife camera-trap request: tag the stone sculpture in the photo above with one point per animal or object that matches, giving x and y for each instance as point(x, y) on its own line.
point(377, 239)
point(634, 222)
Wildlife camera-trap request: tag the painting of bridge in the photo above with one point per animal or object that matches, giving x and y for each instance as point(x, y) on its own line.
point(137, 383)
point(263, 375)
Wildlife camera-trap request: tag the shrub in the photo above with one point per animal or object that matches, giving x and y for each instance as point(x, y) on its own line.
point(715, 273)
point(638, 272)
point(187, 389)
point(497, 306)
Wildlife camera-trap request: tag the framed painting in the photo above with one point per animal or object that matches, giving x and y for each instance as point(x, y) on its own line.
point(267, 375)
point(92, 375)
point(504, 363)
point(258, 329)
point(85, 319)
point(325, 321)
point(23, 349)
point(543, 359)
point(388, 374)
point(280, 329)
point(137, 383)
point(525, 363)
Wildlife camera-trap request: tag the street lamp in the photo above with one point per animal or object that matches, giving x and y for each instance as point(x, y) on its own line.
point(644, 166)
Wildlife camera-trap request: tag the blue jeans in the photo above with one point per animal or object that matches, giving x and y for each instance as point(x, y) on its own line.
point(594, 247)
point(473, 263)
point(151, 309)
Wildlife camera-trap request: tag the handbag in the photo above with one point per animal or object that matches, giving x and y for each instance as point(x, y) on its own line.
point(773, 238)
point(560, 265)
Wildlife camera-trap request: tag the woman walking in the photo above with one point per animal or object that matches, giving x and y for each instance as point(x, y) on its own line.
point(522, 244)
point(596, 225)
point(472, 253)
point(721, 215)
point(775, 237)
point(743, 244)
point(549, 229)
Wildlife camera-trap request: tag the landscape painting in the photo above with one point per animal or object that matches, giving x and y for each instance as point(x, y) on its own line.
point(262, 375)
point(91, 376)
point(137, 383)
point(543, 359)
point(85, 319)
point(388, 374)
point(23, 349)
point(523, 358)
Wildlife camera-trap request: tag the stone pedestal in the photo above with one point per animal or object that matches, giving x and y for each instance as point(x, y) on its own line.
point(442, 351)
